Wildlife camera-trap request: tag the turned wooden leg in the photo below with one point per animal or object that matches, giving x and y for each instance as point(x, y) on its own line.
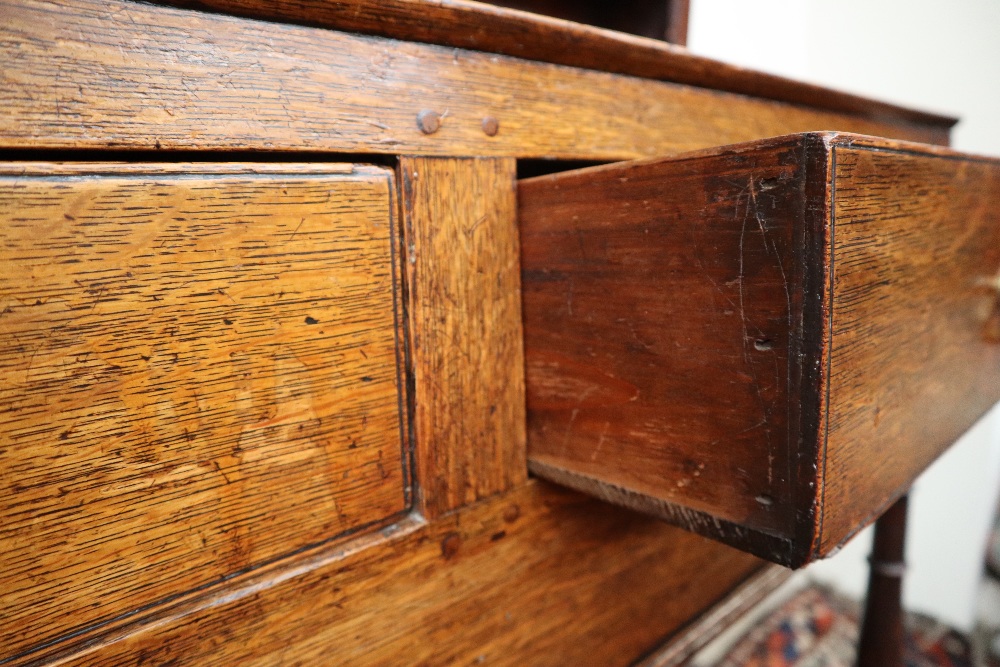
point(881, 641)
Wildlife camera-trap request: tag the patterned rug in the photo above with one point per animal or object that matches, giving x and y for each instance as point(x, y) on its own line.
point(819, 629)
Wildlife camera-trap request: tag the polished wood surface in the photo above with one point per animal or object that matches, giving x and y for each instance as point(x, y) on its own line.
point(913, 364)
point(127, 76)
point(538, 576)
point(657, 331)
point(881, 643)
point(199, 373)
point(764, 343)
point(699, 634)
point(466, 560)
point(482, 27)
point(464, 311)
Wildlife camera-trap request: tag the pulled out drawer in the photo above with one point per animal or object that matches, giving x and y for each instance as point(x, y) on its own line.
point(764, 343)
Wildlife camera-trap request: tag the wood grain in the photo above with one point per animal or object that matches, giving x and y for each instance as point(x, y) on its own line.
point(464, 307)
point(916, 246)
point(765, 343)
point(535, 577)
point(88, 74)
point(660, 317)
point(718, 619)
point(481, 27)
point(199, 373)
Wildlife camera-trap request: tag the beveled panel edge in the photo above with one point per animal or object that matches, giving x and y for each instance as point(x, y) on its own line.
point(446, 560)
point(240, 585)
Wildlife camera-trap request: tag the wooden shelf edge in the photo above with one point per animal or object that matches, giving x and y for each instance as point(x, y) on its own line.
point(477, 26)
point(682, 646)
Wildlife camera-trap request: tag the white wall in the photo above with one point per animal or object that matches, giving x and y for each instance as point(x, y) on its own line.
point(932, 55)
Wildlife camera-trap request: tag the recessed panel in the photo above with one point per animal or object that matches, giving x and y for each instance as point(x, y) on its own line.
point(199, 373)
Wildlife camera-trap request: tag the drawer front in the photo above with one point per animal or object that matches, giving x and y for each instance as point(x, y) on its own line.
point(764, 343)
point(199, 372)
point(914, 358)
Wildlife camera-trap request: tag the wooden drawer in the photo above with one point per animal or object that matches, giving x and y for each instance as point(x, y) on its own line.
point(764, 343)
point(199, 373)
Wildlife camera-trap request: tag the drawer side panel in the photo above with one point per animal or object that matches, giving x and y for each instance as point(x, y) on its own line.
point(661, 302)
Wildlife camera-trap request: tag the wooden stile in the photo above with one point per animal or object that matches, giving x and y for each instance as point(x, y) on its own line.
point(465, 328)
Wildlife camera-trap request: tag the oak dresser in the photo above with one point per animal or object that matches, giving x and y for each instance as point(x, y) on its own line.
point(412, 332)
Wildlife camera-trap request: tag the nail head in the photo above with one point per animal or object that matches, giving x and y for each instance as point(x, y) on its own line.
point(491, 126)
point(428, 121)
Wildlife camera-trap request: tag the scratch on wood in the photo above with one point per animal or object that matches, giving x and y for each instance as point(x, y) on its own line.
point(472, 230)
point(766, 413)
point(600, 441)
